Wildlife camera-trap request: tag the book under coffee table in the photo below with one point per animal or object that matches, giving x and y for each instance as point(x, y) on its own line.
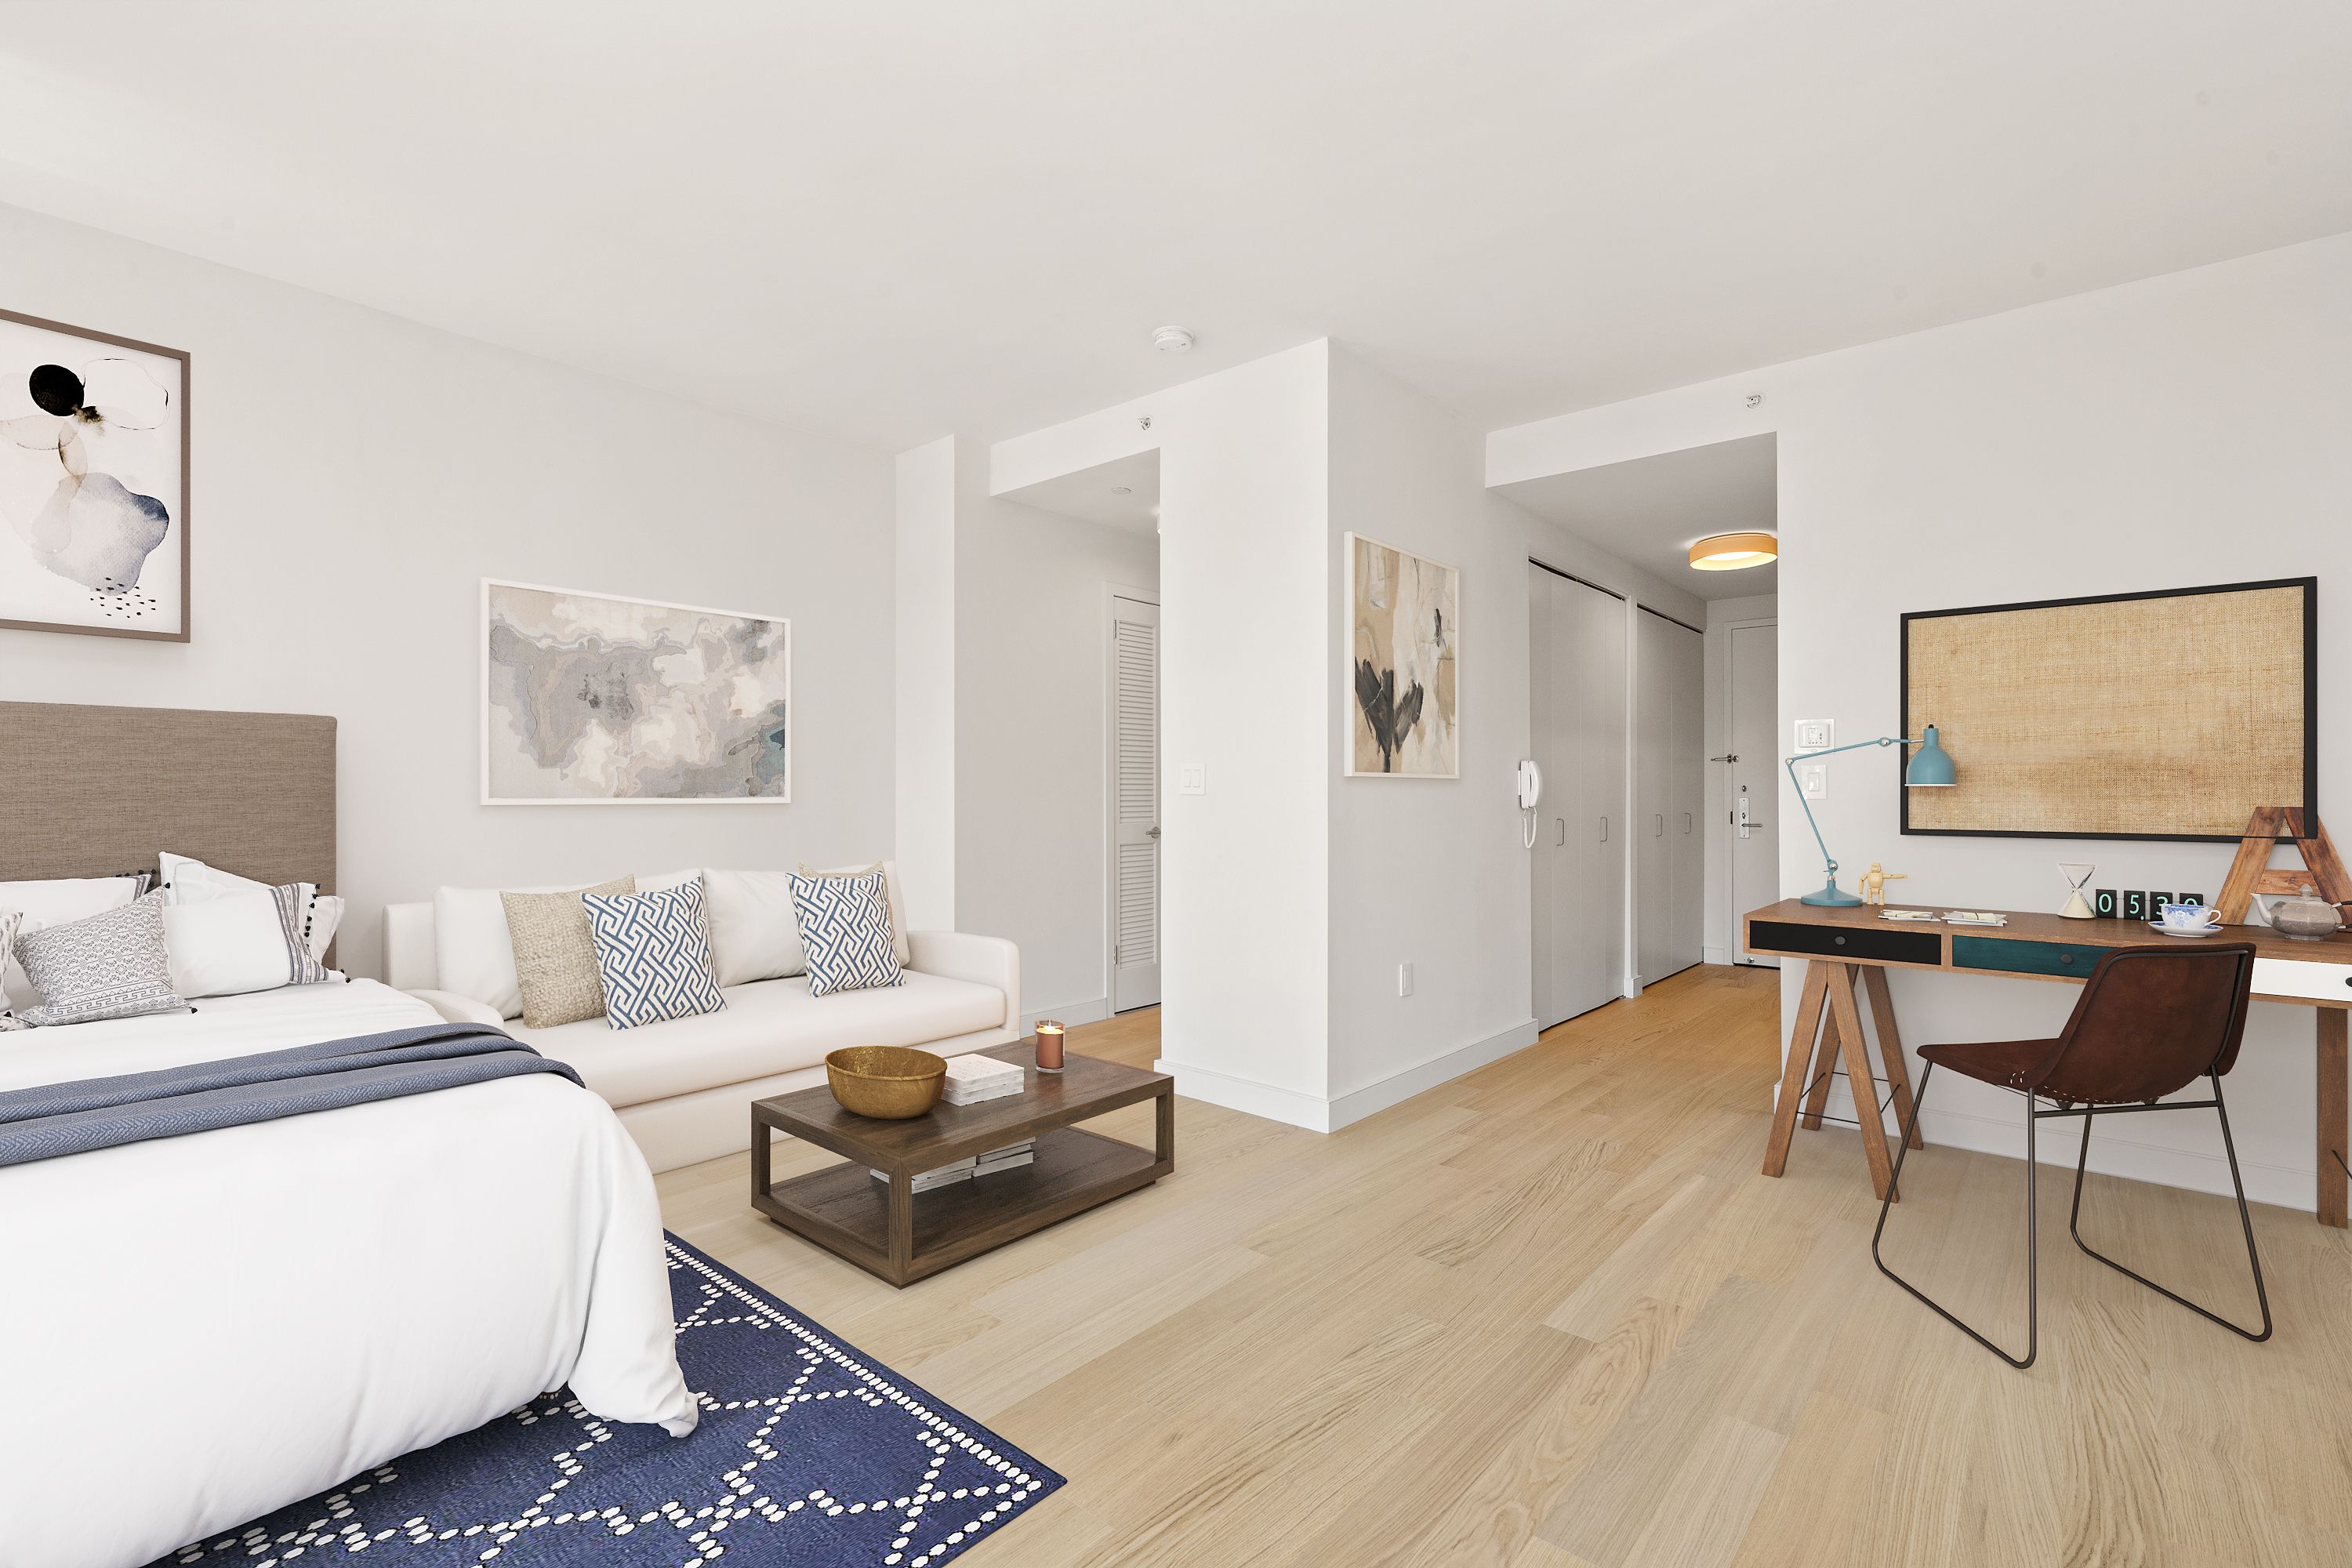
point(891, 1231)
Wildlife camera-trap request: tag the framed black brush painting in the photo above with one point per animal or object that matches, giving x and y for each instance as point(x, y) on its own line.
point(93, 482)
point(1404, 664)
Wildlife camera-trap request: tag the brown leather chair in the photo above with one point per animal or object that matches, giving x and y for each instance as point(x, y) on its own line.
point(2151, 1021)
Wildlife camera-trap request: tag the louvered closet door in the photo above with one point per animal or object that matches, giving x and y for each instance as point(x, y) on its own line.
point(1135, 804)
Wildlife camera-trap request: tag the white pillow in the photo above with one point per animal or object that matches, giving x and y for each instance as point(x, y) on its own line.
point(474, 951)
point(227, 945)
point(55, 903)
point(191, 881)
point(753, 935)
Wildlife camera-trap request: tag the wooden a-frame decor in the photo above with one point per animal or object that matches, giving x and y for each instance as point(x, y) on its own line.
point(2249, 872)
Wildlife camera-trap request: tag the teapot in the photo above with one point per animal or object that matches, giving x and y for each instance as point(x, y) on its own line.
point(2306, 918)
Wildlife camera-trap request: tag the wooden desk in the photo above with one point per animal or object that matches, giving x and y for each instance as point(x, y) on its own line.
point(1840, 944)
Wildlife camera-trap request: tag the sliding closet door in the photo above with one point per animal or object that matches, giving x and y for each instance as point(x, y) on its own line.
point(1668, 873)
point(1577, 699)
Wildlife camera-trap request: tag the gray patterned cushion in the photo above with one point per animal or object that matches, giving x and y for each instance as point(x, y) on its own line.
point(112, 965)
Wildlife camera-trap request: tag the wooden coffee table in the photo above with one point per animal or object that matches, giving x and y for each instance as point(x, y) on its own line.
point(888, 1231)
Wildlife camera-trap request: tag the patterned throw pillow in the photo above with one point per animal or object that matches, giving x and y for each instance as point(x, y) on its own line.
point(845, 931)
point(112, 965)
point(653, 952)
point(555, 958)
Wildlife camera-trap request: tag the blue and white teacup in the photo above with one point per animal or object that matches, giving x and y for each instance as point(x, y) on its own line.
point(2189, 917)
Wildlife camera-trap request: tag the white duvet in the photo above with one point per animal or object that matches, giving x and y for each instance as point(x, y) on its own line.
point(196, 1330)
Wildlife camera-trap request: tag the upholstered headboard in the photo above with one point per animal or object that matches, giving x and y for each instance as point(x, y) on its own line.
point(90, 792)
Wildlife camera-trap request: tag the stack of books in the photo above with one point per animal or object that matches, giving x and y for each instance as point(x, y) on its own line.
point(972, 1079)
point(1021, 1153)
point(1004, 1158)
point(925, 1180)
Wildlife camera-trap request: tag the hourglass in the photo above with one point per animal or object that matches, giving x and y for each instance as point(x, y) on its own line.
point(2076, 873)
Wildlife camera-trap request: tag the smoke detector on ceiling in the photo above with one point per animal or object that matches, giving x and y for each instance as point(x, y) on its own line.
point(1172, 340)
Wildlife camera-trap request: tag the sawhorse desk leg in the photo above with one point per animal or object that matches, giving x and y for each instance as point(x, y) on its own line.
point(1829, 1025)
point(2333, 1108)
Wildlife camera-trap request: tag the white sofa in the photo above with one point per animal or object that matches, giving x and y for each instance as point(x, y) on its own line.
point(684, 1088)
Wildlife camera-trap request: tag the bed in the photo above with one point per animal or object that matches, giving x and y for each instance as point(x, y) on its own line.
point(195, 1330)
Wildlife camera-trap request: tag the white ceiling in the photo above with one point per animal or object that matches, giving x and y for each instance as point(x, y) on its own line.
point(895, 221)
point(1651, 511)
point(1123, 493)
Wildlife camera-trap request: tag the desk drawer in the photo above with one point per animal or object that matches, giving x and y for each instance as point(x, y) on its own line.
point(1848, 943)
point(2293, 977)
point(2064, 959)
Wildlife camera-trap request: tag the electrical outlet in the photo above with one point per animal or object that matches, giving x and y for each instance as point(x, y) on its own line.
point(1814, 779)
point(1816, 735)
point(1404, 979)
point(1193, 778)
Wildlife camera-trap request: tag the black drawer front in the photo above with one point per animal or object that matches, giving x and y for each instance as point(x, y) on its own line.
point(1845, 942)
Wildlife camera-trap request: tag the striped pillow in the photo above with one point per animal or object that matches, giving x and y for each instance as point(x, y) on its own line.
point(845, 925)
point(653, 954)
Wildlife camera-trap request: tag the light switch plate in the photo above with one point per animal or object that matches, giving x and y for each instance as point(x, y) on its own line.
point(1814, 779)
point(1193, 778)
point(1816, 734)
point(1404, 979)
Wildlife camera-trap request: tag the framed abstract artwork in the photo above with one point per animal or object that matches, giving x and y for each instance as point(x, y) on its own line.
point(1403, 664)
point(592, 700)
point(93, 482)
point(2166, 715)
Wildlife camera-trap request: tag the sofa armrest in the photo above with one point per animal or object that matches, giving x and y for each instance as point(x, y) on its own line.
point(981, 960)
point(456, 1009)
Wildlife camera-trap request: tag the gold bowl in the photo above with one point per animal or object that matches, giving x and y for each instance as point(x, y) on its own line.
point(890, 1083)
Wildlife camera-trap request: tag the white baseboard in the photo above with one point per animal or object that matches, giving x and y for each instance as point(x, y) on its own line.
point(1715, 955)
point(2059, 1142)
point(1093, 1011)
point(1320, 1115)
point(1398, 1087)
point(1248, 1097)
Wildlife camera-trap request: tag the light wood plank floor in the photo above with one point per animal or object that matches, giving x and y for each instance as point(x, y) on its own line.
point(1549, 1316)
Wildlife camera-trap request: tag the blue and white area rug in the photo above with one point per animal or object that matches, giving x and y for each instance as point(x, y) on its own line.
point(809, 1456)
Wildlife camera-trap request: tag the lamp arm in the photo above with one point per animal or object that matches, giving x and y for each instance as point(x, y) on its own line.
point(1828, 860)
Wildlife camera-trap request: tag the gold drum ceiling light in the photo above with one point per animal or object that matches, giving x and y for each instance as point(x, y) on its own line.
point(1732, 551)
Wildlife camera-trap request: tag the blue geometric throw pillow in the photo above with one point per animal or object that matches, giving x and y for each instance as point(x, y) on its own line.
point(845, 923)
point(653, 954)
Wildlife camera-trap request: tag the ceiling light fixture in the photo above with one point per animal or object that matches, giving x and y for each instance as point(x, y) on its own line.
point(1732, 552)
point(1172, 340)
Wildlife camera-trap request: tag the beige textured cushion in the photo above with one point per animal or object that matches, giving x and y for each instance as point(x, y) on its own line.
point(555, 960)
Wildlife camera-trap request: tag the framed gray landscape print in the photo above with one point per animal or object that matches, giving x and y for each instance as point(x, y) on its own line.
point(1403, 660)
point(588, 700)
point(93, 482)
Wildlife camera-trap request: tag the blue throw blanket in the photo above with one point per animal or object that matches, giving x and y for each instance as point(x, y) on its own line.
point(42, 1122)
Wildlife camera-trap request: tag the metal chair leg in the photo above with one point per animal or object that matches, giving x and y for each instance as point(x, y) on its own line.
point(2033, 1235)
point(2245, 1219)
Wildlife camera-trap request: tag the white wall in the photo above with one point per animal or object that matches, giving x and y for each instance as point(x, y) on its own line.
point(1245, 690)
point(1716, 934)
point(356, 475)
point(2186, 429)
point(1031, 769)
point(924, 709)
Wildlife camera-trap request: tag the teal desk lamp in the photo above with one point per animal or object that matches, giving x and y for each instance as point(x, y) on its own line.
point(1930, 768)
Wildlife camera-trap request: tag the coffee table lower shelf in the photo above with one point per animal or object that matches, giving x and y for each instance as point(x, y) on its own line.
point(844, 1209)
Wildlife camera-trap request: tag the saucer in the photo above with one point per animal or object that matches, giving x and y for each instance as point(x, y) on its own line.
point(2179, 930)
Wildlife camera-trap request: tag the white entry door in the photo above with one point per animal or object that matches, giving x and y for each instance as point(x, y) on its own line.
point(1753, 776)
point(1134, 803)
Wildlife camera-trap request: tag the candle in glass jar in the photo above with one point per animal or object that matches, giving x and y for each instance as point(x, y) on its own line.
point(1049, 1046)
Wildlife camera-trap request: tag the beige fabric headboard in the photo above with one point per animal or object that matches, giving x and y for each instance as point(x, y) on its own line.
point(91, 791)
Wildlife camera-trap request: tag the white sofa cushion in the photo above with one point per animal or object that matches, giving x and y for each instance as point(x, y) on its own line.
point(753, 936)
point(769, 1027)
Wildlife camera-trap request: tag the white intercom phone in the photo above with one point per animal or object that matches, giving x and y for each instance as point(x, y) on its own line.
point(1531, 796)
